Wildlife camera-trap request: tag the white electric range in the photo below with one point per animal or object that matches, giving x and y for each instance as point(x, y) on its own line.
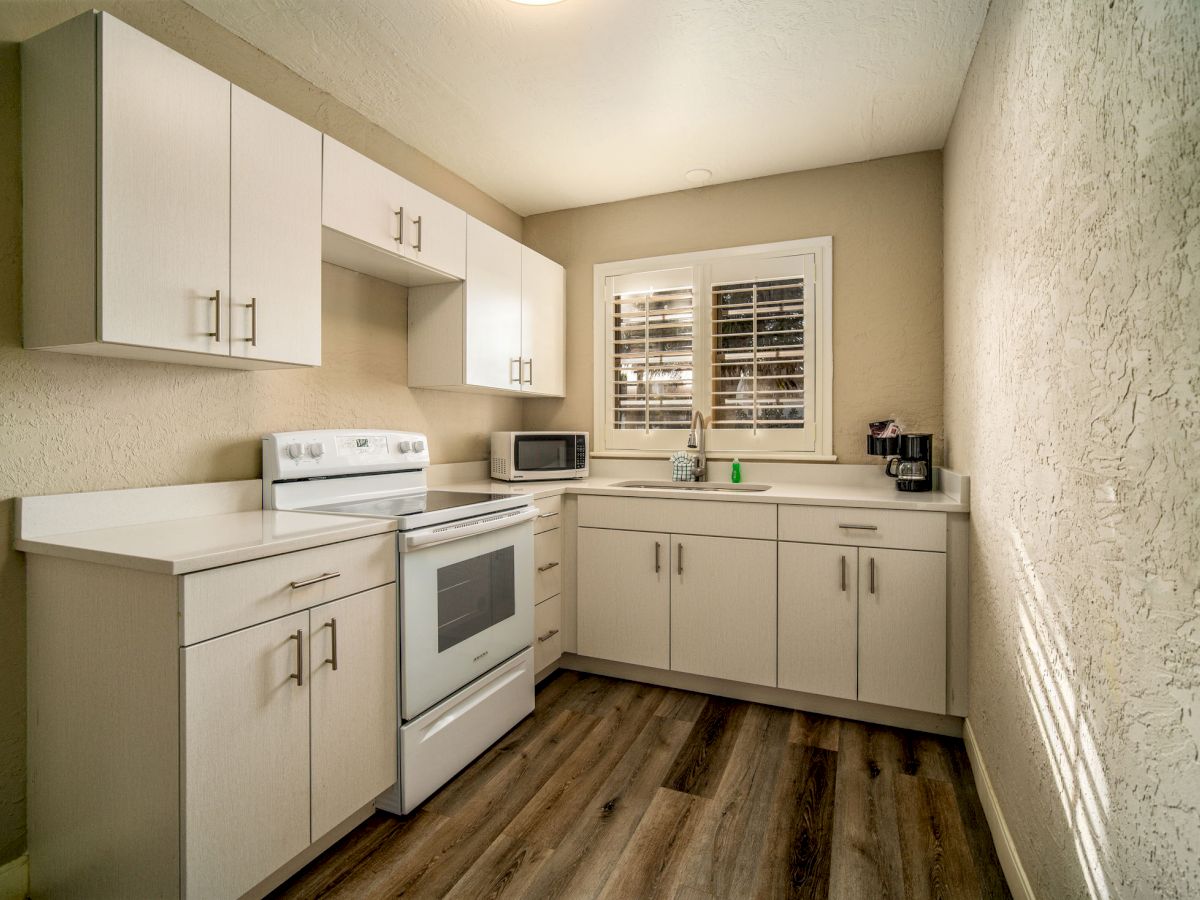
point(465, 579)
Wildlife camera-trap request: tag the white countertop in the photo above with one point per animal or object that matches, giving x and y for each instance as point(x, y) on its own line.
point(883, 496)
point(179, 546)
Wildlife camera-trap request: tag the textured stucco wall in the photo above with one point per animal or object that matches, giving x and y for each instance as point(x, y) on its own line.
point(71, 423)
point(1072, 370)
point(886, 220)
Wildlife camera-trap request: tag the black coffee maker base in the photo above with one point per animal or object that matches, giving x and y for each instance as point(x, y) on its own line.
point(912, 487)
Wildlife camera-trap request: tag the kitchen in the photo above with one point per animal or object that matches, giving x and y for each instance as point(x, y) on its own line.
point(997, 217)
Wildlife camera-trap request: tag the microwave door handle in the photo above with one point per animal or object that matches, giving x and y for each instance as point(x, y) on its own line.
point(441, 534)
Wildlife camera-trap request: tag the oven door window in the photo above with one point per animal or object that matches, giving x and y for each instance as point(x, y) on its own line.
point(548, 453)
point(475, 594)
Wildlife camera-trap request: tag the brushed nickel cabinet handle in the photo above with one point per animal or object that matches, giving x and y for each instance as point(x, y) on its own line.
point(215, 334)
point(872, 569)
point(253, 307)
point(860, 527)
point(317, 580)
point(514, 362)
point(680, 558)
point(547, 567)
point(547, 515)
point(420, 231)
point(399, 236)
point(298, 637)
point(657, 562)
point(843, 574)
point(549, 634)
point(529, 377)
point(332, 626)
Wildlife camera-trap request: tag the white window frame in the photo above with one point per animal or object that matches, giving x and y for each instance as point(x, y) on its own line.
point(813, 442)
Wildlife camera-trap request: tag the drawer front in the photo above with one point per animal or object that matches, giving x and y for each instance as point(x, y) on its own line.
point(704, 517)
point(547, 633)
point(899, 528)
point(549, 514)
point(218, 601)
point(547, 560)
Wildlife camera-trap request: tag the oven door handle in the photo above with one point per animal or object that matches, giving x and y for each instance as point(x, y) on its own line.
point(442, 533)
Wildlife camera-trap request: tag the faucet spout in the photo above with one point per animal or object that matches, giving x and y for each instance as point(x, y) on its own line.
point(696, 442)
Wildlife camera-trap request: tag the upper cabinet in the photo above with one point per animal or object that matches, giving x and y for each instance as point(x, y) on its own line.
point(380, 224)
point(168, 215)
point(501, 331)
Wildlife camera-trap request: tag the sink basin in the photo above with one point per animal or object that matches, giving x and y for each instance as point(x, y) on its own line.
point(692, 486)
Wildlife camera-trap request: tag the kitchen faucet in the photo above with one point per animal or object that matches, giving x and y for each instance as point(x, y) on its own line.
point(695, 441)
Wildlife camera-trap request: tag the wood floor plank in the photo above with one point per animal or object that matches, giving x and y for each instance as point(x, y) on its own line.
point(589, 851)
point(800, 843)
point(866, 859)
point(815, 730)
point(505, 869)
point(978, 835)
point(936, 858)
point(685, 706)
point(701, 763)
point(650, 864)
point(726, 852)
point(341, 860)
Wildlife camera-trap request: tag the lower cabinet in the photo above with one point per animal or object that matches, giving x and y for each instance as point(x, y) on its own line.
point(818, 619)
point(623, 604)
point(723, 608)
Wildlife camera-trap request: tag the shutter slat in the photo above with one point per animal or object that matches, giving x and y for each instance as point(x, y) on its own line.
point(652, 346)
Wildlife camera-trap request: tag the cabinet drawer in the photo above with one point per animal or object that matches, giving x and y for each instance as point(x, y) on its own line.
point(704, 517)
point(218, 601)
point(899, 528)
point(549, 514)
point(547, 632)
point(547, 560)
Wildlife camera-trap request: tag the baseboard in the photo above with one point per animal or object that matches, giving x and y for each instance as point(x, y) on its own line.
point(1010, 862)
point(770, 696)
point(14, 879)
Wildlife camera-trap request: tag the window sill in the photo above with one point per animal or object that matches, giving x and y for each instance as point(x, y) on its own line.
point(717, 454)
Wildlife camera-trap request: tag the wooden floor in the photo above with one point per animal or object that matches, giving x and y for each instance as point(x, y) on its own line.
point(619, 789)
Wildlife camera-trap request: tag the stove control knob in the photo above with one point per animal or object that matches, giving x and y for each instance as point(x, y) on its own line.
point(418, 446)
point(316, 449)
point(294, 450)
point(405, 446)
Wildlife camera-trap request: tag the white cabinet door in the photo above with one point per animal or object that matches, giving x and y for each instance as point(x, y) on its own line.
point(244, 756)
point(361, 198)
point(543, 310)
point(818, 619)
point(164, 184)
point(547, 633)
point(435, 232)
point(353, 705)
point(902, 628)
point(624, 602)
point(493, 308)
point(723, 608)
point(275, 234)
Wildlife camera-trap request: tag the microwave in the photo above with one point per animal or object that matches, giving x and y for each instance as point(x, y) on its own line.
point(539, 455)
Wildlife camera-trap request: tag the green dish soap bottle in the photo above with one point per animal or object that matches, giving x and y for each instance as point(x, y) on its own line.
point(735, 471)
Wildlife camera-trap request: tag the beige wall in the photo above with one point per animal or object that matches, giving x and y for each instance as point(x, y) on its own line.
point(885, 217)
point(1072, 373)
point(70, 423)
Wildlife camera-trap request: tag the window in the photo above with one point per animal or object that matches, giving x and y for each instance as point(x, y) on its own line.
point(742, 335)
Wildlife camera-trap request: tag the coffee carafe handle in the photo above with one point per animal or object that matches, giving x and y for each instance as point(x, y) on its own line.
point(887, 470)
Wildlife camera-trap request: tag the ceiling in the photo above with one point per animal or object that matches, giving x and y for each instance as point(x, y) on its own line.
point(587, 101)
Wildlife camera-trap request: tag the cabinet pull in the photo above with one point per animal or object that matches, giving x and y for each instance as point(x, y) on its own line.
point(680, 560)
point(298, 637)
point(514, 362)
point(843, 574)
point(549, 634)
point(215, 334)
point(547, 567)
point(332, 626)
point(420, 231)
point(399, 214)
point(657, 563)
point(871, 566)
point(547, 515)
point(529, 377)
point(325, 577)
point(860, 527)
point(253, 307)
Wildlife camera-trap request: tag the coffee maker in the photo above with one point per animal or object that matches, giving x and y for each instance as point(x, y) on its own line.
point(913, 467)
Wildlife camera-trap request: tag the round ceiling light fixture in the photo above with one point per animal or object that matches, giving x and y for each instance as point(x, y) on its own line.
point(698, 176)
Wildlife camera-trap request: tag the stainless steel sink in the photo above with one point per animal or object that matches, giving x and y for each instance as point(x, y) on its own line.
point(692, 486)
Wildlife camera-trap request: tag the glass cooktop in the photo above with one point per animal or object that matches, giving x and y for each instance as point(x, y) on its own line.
point(400, 505)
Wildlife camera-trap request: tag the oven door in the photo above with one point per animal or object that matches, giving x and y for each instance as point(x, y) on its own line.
point(545, 455)
point(466, 604)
